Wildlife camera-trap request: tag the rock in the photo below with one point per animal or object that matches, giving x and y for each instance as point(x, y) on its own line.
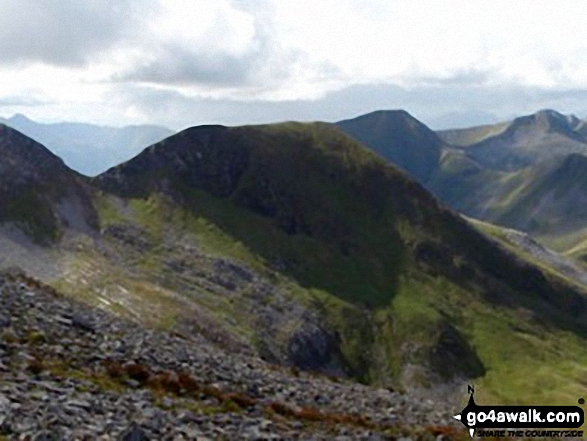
point(79, 404)
point(135, 433)
point(132, 383)
point(5, 321)
point(63, 321)
point(4, 405)
point(46, 436)
point(313, 348)
point(83, 323)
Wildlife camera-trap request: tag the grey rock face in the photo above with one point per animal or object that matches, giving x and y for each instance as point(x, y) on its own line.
point(313, 348)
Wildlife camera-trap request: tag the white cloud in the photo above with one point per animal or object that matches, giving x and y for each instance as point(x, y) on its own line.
point(75, 56)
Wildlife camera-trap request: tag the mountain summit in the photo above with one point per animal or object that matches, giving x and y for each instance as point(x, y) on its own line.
point(400, 138)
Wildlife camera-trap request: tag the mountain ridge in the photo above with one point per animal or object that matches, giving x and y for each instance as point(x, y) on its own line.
point(502, 173)
point(522, 142)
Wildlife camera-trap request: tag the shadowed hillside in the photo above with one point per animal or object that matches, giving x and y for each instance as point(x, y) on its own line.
point(39, 194)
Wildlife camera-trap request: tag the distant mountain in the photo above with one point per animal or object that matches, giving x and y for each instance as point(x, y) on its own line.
point(522, 142)
point(400, 138)
point(532, 172)
point(405, 291)
point(38, 192)
point(525, 174)
point(449, 172)
point(87, 148)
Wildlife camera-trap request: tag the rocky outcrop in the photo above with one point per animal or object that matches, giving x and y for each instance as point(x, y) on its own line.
point(452, 357)
point(73, 372)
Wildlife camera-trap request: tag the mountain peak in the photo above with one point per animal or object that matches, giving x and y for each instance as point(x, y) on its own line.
point(386, 115)
point(19, 118)
point(553, 117)
point(398, 137)
point(547, 120)
point(38, 192)
point(549, 112)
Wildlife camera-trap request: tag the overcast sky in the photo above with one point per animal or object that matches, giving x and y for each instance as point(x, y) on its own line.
point(186, 62)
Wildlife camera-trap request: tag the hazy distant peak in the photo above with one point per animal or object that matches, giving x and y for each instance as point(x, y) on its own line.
point(19, 118)
point(398, 137)
point(391, 112)
point(89, 148)
point(397, 119)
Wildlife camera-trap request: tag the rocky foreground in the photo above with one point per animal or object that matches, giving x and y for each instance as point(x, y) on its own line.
point(68, 371)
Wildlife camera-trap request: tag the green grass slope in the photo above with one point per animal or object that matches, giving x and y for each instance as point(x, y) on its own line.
point(552, 200)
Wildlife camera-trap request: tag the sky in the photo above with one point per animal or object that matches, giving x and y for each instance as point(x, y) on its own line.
point(179, 63)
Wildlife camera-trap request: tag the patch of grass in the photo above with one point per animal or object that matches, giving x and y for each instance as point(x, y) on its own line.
point(9, 336)
point(537, 366)
point(107, 210)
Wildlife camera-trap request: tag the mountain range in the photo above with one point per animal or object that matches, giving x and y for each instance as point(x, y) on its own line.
point(87, 148)
point(525, 174)
point(303, 244)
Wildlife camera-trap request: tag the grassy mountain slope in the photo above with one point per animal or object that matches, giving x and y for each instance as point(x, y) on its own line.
point(526, 247)
point(545, 200)
point(553, 203)
point(400, 290)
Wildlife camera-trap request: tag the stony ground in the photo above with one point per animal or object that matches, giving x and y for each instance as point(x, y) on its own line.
point(68, 371)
